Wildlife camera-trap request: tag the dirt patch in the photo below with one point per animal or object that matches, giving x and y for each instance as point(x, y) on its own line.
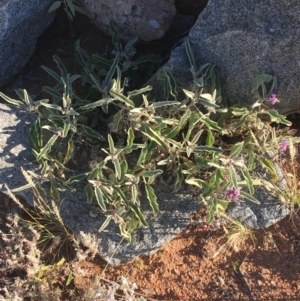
point(186, 269)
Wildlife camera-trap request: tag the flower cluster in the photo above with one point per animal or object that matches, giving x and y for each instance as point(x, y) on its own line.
point(233, 193)
point(283, 145)
point(273, 99)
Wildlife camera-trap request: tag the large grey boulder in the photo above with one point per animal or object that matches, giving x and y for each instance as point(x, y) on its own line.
point(244, 39)
point(147, 20)
point(21, 22)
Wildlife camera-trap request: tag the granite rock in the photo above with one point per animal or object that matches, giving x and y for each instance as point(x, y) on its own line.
point(21, 23)
point(244, 39)
point(147, 20)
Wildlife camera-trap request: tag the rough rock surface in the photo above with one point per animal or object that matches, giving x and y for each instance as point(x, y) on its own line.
point(269, 211)
point(147, 20)
point(15, 148)
point(20, 25)
point(244, 39)
point(175, 209)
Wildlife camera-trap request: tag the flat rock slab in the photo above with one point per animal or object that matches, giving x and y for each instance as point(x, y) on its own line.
point(21, 23)
point(175, 213)
point(244, 39)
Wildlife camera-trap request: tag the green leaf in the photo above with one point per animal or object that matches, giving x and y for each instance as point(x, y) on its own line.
point(239, 111)
point(69, 151)
point(249, 197)
point(190, 55)
point(111, 71)
point(63, 70)
point(99, 198)
point(76, 8)
point(87, 130)
point(151, 173)
point(160, 104)
point(260, 80)
point(70, 278)
point(278, 118)
point(122, 98)
point(24, 187)
point(130, 137)
point(105, 223)
point(54, 6)
point(89, 192)
point(116, 120)
point(179, 176)
point(212, 211)
point(52, 73)
point(208, 149)
point(196, 182)
point(249, 180)
point(71, 6)
point(210, 138)
point(118, 170)
point(233, 177)
point(270, 166)
point(189, 94)
point(152, 135)
point(136, 210)
point(66, 129)
point(54, 192)
point(193, 120)
point(152, 198)
point(98, 103)
point(196, 137)
point(96, 82)
point(77, 178)
point(47, 148)
point(111, 144)
point(36, 134)
point(209, 104)
point(140, 91)
point(14, 102)
point(211, 124)
point(122, 195)
point(146, 153)
point(241, 122)
point(169, 84)
point(236, 149)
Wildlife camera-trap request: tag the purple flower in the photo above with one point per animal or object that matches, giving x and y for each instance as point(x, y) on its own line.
point(233, 193)
point(273, 99)
point(283, 145)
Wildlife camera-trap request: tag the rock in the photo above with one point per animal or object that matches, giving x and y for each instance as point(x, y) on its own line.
point(244, 39)
point(175, 209)
point(20, 25)
point(175, 213)
point(15, 148)
point(147, 20)
point(268, 212)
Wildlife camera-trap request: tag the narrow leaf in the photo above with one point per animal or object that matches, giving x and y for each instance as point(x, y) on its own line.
point(151, 173)
point(54, 6)
point(249, 197)
point(236, 149)
point(99, 198)
point(152, 198)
